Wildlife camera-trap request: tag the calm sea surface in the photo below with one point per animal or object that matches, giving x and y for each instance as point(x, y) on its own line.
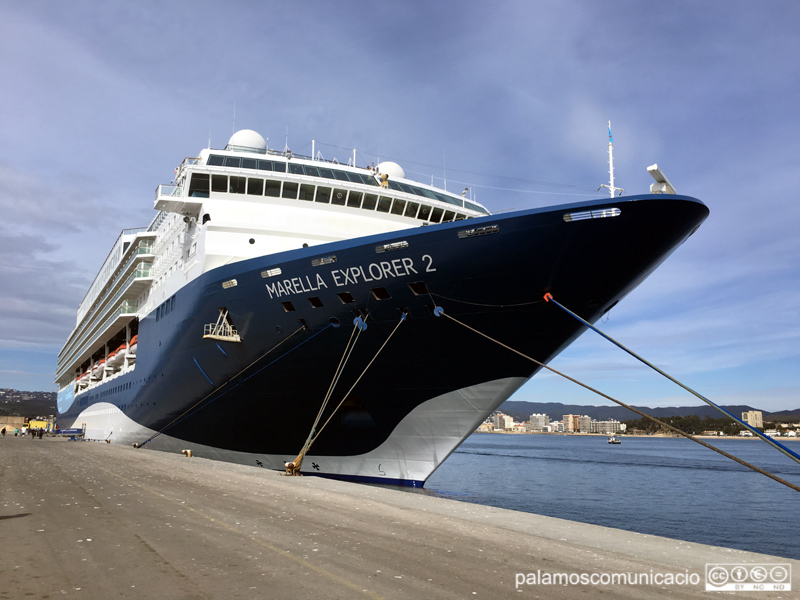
point(671, 487)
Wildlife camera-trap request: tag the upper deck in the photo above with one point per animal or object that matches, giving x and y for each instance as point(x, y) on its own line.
point(258, 171)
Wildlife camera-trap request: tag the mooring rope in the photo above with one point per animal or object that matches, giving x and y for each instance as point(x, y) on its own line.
point(439, 311)
point(775, 444)
point(293, 468)
point(194, 408)
point(352, 387)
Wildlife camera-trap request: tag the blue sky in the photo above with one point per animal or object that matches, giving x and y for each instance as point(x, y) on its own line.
point(101, 101)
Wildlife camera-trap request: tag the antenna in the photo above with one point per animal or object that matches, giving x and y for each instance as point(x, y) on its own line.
point(444, 170)
point(611, 189)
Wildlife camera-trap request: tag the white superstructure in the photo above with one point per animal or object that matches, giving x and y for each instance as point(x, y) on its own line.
point(229, 205)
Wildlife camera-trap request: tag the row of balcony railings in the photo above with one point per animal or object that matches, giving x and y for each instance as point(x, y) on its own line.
point(142, 270)
point(126, 308)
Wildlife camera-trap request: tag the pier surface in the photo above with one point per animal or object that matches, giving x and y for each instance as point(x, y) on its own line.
point(99, 521)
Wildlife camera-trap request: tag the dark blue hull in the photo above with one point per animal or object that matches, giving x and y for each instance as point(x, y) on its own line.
point(258, 398)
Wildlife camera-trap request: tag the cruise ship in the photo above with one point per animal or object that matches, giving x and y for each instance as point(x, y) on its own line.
point(295, 313)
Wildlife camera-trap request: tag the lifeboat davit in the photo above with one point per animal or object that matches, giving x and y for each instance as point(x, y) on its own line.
point(97, 369)
point(115, 358)
point(83, 379)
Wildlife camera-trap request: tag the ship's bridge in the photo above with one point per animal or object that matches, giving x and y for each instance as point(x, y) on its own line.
point(249, 168)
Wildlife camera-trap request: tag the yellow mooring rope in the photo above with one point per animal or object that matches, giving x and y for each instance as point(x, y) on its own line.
point(293, 468)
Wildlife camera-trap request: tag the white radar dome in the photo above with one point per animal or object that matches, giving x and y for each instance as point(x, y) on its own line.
point(247, 139)
point(392, 169)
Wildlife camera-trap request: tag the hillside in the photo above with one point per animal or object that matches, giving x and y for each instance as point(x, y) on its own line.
point(14, 403)
point(521, 411)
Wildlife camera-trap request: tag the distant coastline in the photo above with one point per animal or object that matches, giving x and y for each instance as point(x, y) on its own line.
point(632, 435)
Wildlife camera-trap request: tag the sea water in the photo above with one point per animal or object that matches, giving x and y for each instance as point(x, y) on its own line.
point(669, 487)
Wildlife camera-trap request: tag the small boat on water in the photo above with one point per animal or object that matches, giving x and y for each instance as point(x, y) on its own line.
point(614, 440)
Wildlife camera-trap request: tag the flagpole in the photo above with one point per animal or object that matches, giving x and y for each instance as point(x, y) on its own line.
point(611, 189)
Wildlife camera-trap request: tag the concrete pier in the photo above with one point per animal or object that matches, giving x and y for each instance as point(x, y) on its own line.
point(99, 521)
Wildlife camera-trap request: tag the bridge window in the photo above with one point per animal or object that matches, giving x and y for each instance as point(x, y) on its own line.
point(199, 185)
point(354, 199)
point(273, 188)
point(306, 192)
point(370, 201)
point(384, 204)
point(289, 190)
point(255, 187)
point(323, 195)
point(238, 185)
point(219, 183)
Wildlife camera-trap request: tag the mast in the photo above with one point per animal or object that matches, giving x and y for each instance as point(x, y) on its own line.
point(611, 189)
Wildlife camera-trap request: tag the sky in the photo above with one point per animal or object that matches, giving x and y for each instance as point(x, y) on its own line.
point(100, 101)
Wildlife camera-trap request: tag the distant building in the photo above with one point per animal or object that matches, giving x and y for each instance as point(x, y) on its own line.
point(570, 422)
point(13, 423)
point(502, 422)
point(754, 418)
point(557, 426)
point(585, 424)
point(607, 427)
point(538, 422)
